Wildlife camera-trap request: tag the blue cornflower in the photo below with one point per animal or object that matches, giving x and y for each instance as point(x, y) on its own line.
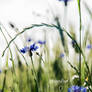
point(61, 55)
point(77, 89)
point(65, 1)
point(24, 50)
point(73, 43)
point(89, 46)
point(33, 47)
point(0, 71)
point(29, 40)
point(41, 42)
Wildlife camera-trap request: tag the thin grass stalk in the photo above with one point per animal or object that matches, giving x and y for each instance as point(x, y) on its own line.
point(9, 50)
point(79, 4)
point(4, 81)
point(35, 75)
point(6, 42)
point(47, 51)
point(73, 67)
point(28, 79)
point(13, 72)
point(65, 16)
point(40, 56)
point(88, 10)
point(15, 45)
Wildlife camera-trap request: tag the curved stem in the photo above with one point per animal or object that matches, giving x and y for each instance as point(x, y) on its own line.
point(6, 41)
point(15, 44)
point(25, 29)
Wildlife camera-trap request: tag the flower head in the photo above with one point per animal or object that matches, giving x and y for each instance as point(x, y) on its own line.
point(0, 71)
point(33, 47)
point(89, 46)
point(24, 50)
point(41, 42)
point(29, 40)
point(77, 89)
point(61, 55)
point(73, 43)
point(65, 1)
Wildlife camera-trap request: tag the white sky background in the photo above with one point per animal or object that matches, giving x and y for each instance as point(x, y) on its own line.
point(23, 12)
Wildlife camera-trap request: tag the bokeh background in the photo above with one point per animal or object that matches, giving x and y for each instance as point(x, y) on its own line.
point(51, 71)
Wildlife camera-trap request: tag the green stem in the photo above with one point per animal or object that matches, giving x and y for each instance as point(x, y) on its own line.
point(6, 41)
point(80, 44)
point(4, 81)
point(14, 44)
point(9, 49)
point(35, 74)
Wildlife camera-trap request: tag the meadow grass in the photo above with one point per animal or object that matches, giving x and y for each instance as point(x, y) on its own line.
point(49, 74)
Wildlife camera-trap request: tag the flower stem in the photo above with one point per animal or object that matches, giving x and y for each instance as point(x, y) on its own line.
point(4, 81)
point(34, 72)
point(80, 44)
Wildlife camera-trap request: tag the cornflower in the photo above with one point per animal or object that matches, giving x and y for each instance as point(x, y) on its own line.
point(31, 48)
point(41, 42)
point(29, 40)
point(24, 50)
point(89, 46)
point(65, 1)
point(0, 71)
point(73, 43)
point(77, 89)
point(61, 55)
